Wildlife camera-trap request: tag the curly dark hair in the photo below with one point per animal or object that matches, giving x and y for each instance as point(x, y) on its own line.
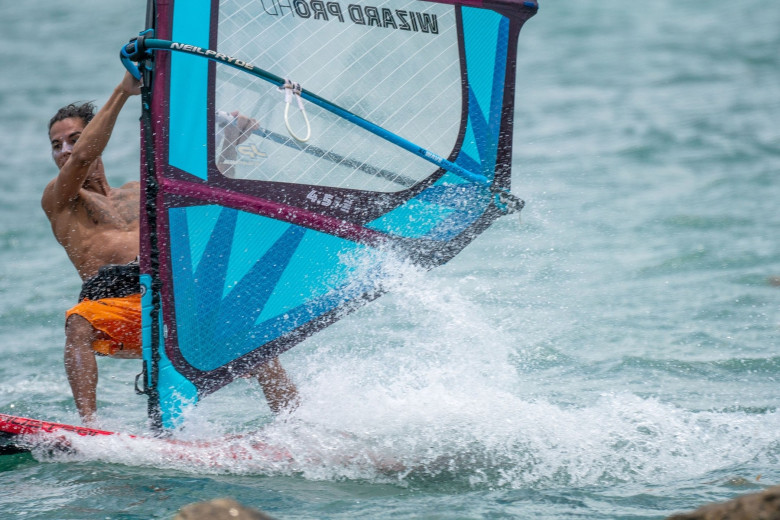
point(85, 111)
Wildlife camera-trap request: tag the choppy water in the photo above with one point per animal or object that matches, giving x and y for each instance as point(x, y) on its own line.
point(613, 356)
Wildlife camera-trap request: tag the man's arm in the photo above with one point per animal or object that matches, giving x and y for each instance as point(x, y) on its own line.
point(90, 146)
point(238, 130)
point(279, 390)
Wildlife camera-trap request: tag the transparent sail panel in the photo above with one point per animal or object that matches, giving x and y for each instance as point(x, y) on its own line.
point(395, 64)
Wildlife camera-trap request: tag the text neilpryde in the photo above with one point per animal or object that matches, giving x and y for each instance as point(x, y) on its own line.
point(208, 53)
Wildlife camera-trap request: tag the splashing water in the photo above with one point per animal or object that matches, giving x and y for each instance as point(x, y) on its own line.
point(444, 401)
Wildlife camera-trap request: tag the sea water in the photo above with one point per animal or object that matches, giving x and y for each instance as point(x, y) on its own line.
point(612, 355)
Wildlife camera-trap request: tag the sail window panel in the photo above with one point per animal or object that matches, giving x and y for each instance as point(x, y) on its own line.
point(361, 58)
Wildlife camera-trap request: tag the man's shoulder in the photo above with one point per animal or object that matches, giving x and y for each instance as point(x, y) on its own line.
point(49, 187)
point(49, 201)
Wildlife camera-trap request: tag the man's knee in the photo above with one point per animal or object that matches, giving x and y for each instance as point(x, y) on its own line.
point(79, 330)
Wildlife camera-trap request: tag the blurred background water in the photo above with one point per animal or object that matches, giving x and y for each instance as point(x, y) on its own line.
point(615, 355)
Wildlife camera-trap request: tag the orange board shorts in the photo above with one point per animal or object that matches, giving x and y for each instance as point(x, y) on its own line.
point(118, 318)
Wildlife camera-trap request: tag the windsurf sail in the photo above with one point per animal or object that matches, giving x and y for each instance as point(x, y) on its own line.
point(383, 125)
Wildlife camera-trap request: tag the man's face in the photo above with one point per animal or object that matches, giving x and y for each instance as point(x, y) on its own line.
point(63, 135)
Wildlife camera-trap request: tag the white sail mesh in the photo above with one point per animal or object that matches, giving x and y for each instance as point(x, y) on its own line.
point(398, 69)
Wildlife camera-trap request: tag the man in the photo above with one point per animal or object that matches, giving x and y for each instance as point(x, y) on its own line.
point(98, 226)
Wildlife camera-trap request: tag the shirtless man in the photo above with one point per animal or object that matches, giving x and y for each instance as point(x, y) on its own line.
point(99, 227)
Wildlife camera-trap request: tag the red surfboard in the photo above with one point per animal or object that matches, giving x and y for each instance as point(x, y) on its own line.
point(22, 434)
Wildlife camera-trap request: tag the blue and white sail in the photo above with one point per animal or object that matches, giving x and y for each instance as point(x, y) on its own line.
point(384, 124)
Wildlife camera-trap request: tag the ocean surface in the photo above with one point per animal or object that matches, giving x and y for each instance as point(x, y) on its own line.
point(614, 355)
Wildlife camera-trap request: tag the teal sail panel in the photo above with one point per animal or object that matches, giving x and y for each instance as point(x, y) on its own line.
point(189, 79)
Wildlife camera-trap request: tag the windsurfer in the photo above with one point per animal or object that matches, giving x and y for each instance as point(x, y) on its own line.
point(98, 226)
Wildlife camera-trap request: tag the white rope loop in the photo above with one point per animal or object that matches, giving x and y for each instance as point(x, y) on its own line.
point(293, 90)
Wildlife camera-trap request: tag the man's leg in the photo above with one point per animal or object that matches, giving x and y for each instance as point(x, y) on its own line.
point(81, 365)
point(279, 390)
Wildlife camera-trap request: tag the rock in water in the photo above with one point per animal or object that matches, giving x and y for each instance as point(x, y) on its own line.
point(220, 509)
point(757, 506)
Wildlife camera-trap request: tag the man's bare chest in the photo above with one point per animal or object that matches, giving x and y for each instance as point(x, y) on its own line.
point(118, 210)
